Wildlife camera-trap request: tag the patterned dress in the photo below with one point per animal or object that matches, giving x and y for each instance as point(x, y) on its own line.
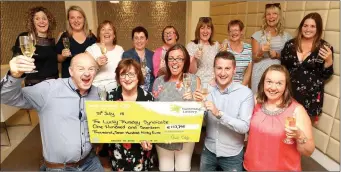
point(277, 44)
point(129, 156)
point(205, 64)
point(307, 77)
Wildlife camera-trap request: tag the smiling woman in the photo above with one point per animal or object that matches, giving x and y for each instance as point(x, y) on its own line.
point(39, 25)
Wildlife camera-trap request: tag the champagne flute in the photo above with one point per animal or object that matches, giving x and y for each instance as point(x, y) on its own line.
point(102, 92)
point(27, 48)
point(143, 66)
point(268, 40)
point(66, 43)
point(205, 92)
point(187, 82)
point(103, 48)
point(319, 59)
point(290, 121)
point(34, 41)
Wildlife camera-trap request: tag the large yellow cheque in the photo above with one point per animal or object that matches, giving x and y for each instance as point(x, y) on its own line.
point(133, 122)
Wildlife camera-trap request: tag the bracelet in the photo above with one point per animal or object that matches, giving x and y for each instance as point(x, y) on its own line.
point(302, 140)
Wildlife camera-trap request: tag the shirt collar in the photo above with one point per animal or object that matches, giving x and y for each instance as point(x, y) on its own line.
point(227, 90)
point(74, 88)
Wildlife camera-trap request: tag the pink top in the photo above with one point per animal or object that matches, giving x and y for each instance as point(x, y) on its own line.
point(266, 150)
point(158, 55)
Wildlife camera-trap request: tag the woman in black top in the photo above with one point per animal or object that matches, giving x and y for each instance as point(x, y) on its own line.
point(40, 23)
point(79, 37)
point(309, 60)
point(129, 156)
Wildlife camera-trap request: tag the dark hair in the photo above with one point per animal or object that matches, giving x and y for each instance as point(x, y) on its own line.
point(139, 29)
point(235, 22)
point(105, 22)
point(186, 62)
point(226, 55)
point(319, 27)
point(30, 20)
point(169, 27)
point(287, 95)
point(204, 21)
point(125, 65)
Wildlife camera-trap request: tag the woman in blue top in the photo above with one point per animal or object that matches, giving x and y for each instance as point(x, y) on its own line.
point(141, 54)
point(268, 42)
point(79, 37)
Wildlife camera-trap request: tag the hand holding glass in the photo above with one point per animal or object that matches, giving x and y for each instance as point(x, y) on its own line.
point(290, 121)
point(103, 48)
point(27, 48)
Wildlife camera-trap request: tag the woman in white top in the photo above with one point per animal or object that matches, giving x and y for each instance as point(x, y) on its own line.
point(107, 54)
point(202, 50)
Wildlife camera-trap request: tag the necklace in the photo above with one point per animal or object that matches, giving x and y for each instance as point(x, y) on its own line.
point(272, 113)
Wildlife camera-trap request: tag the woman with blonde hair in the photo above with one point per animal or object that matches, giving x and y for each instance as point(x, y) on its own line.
point(107, 55)
point(75, 40)
point(202, 50)
point(39, 25)
point(268, 42)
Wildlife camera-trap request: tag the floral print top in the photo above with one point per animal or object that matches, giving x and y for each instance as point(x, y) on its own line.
point(307, 77)
point(130, 156)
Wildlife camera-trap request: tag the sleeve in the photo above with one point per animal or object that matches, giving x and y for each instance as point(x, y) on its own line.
point(285, 53)
point(242, 122)
point(28, 97)
point(288, 36)
point(92, 50)
point(156, 61)
point(191, 48)
point(59, 45)
point(125, 55)
point(157, 88)
point(328, 72)
point(257, 36)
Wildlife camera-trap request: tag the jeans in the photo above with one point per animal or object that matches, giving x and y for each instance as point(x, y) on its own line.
point(92, 163)
point(209, 161)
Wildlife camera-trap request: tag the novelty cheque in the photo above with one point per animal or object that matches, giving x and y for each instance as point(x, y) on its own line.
point(133, 122)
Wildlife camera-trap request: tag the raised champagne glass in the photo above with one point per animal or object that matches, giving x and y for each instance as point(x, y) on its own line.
point(27, 48)
point(102, 92)
point(290, 121)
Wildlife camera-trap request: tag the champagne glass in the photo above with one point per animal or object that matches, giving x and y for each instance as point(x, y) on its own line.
point(143, 66)
point(290, 121)
point(268, 40)
point(66, 42)
point(187, 82)
point(205, 92)
point(319, 58)
point(103, 48)
point(225, 45)
point(102, 92)
point(27, 48)
point(34, 41)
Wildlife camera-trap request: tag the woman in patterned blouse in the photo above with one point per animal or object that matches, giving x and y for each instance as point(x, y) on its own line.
point(309, 60)
point(130, 156)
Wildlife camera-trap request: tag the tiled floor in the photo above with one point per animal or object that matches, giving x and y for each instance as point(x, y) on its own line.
point(27, 154)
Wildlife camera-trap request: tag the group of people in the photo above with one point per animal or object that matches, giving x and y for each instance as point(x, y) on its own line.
point(286, 76)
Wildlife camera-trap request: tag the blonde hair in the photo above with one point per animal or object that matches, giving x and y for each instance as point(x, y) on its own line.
point(85, 26)
point(280, 25)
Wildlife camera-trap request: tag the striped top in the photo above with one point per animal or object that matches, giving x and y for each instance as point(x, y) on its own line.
point(277, 44)
point(243, 59)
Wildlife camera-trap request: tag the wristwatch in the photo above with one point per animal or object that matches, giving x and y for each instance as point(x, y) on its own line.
point(220, 114)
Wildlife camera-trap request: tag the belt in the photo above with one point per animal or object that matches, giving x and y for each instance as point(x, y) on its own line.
point(68, 164)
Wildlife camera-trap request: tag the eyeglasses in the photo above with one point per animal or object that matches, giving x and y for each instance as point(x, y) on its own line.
point(90, 70)
point(129, 74)
point(176, 59)
point(205, 19)
point(273, 5)
point(168, 33)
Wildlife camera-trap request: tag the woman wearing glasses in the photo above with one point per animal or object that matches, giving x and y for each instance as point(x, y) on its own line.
point(268, 42)
point(203, 50)
point(171, 87)
point(170, 37)
point(107, 54)
point(79, 38)
point(241, 50)
point(130, 156)
point(309, 60)
point(143, 55)
point(39, 25)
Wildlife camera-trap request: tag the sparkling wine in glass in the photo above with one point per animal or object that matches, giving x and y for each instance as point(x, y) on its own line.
point(27, 48)
point(187, 82)
point(34, 41)
point(103, 48)
point(66, 42)
point(290, 121)
point(102, 92)
point(143, 66)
